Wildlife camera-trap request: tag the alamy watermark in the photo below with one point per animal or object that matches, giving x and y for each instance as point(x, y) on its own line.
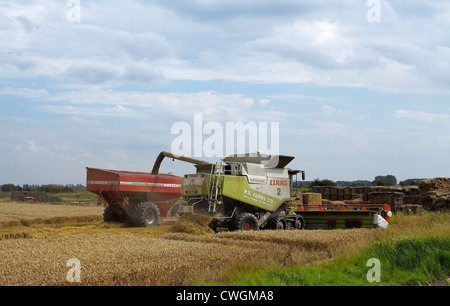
point(74, 274)
point(213, 139)
point(374, 13)
point(374, 275)
point(74, 13)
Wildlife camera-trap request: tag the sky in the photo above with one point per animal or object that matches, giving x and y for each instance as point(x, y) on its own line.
point(355, 88)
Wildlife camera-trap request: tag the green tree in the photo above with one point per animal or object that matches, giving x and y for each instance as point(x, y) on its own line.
point(325, 182)
point(10, 187)
point(410, 182)
point(52, 188)
point(357, 183)
point(385, 180)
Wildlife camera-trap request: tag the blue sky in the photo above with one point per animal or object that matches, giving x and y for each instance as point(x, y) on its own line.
point(354, 99)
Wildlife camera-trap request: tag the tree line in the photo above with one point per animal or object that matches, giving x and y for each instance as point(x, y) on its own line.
point(49, 188)
point(380, 180)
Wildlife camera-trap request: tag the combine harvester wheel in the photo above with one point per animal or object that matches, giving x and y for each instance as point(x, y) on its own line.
point(246, 222)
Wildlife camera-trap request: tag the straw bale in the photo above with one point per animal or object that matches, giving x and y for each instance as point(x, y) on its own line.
point(394, 199)
point(438, 184)
point(356, 196)
point(298, 198)
point(412, 199)
point(435, 193)
point(318, 189)
point(411, 209)
point(340, 193)
point(312, 198)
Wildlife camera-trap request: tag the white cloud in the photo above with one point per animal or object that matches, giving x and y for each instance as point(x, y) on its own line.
point(325, 129)
point(314, 42)
point(331, 111)
point(419, 115)
point(117, 111)
point(328, 110)
point(32, 146)
point(264, 101)
point(24, 92)
point(173, 105)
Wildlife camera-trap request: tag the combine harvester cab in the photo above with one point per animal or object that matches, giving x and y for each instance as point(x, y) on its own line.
point(254, 191)
point(138, 198)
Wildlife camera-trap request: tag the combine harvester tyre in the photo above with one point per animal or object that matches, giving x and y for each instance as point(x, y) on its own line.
point(246, 222)
point(287, 222)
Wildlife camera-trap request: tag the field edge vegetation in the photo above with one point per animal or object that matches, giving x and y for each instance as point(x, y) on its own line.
point(414, 251)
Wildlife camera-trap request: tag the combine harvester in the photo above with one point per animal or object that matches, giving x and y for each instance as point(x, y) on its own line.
point(243, 192)
point(254, 191)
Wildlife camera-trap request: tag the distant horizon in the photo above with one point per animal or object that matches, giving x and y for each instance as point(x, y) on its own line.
point(305, 181)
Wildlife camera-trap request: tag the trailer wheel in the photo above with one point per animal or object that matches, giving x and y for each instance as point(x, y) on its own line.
point(109, 215)
point(246, 222)
point(145, 214)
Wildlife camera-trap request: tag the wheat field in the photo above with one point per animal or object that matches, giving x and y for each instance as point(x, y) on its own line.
point(113, 254)
point(16, 214)
point(171, 259)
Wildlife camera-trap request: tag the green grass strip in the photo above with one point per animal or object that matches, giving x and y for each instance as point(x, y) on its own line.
point(410, 261)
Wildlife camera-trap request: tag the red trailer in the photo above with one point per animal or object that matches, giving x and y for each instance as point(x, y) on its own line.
point(138, 198)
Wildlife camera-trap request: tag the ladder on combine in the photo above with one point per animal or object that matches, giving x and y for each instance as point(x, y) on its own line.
point(214, 187)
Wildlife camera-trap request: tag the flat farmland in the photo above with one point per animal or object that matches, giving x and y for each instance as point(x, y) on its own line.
point(39, 242)
point(16, 214)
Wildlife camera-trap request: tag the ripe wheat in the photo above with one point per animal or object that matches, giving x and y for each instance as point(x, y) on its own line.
point(173, 259)
point(114, 254)
point(16, 214)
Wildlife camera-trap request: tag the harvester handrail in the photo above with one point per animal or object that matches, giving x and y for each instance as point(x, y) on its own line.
point(164, 154)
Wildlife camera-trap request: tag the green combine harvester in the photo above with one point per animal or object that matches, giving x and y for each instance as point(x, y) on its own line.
point(254, 191)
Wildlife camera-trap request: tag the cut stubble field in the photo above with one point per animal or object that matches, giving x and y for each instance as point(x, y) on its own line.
point(17, 214)
point(36, 251)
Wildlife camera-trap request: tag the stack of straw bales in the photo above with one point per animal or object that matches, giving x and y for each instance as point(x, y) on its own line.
point(435, 193)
